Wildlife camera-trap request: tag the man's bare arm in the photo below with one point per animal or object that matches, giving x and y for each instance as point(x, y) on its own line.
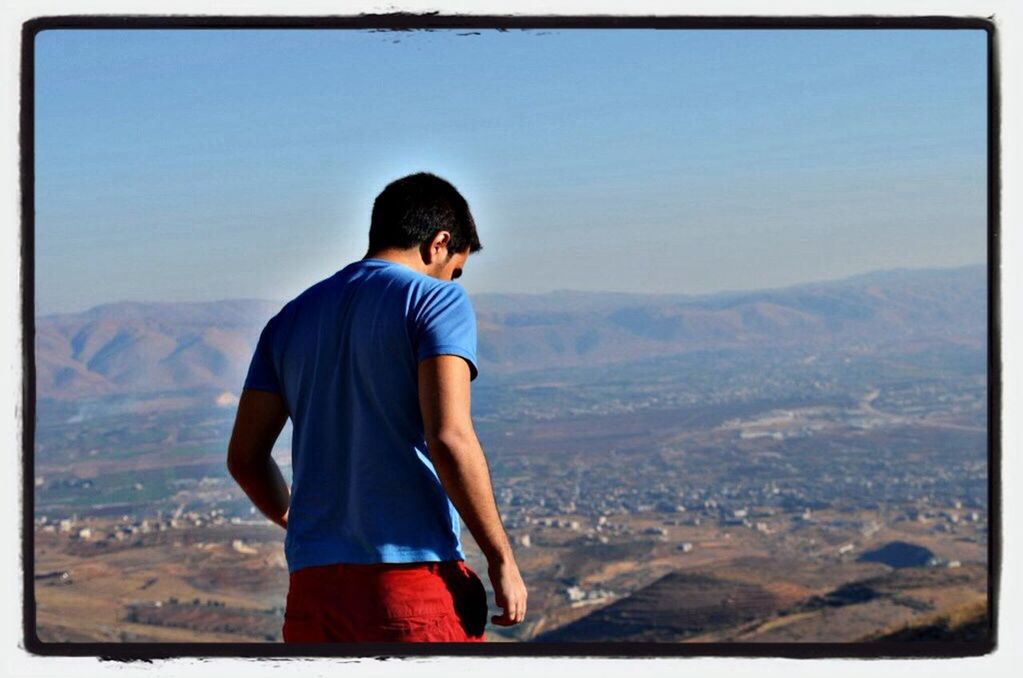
point(456, 454)
point(260, 419)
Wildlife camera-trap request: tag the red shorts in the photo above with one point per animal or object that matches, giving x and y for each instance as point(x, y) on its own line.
point(386, 602)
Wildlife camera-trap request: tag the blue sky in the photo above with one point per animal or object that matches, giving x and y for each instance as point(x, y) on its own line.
point(195, 165)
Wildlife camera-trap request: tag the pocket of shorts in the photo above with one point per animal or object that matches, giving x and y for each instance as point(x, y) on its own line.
point(471, 604)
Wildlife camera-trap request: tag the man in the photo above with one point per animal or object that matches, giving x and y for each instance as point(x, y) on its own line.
point(373, 366)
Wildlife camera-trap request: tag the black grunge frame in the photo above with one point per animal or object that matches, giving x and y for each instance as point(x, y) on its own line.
point(436, 21)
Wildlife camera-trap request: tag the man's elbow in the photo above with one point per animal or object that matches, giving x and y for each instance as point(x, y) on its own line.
point(240, 461)
point(233, 467)
point(453, 442)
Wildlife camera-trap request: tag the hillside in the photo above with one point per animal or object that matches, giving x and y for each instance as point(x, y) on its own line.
point(144, 348)
point(913, 603)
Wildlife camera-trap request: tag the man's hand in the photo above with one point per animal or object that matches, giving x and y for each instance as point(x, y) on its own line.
point(509, 593)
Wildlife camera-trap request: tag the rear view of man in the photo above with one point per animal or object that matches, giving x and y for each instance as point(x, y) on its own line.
point(373, 366)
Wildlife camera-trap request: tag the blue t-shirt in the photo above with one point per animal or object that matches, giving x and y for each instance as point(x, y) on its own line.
point(344, 357)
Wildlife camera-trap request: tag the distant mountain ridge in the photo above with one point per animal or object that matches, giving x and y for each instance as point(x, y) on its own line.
point(139, 347)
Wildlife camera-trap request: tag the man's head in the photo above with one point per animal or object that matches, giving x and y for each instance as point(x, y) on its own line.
point(426, 212)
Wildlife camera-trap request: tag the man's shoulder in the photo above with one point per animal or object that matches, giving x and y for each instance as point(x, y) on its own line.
point(301, 303)
point(442, 293)
point(307, 295)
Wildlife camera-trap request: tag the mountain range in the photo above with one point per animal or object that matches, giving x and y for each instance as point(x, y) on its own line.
point(137, 348)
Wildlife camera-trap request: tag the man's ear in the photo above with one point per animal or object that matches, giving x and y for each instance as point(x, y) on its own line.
point(436, 249)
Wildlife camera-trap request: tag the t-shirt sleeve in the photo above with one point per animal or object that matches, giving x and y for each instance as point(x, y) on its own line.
point(262, 375)
point(446, 325)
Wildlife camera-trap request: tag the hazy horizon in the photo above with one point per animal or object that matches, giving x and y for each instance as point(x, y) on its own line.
point(549, 292)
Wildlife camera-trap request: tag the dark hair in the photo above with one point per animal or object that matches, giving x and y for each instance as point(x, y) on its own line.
point(413, 209)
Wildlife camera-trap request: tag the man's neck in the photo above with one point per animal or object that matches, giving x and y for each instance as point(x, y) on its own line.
point(409, 257)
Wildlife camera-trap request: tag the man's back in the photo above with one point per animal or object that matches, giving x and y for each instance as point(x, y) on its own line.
point(372, 365)
point(343, 356)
